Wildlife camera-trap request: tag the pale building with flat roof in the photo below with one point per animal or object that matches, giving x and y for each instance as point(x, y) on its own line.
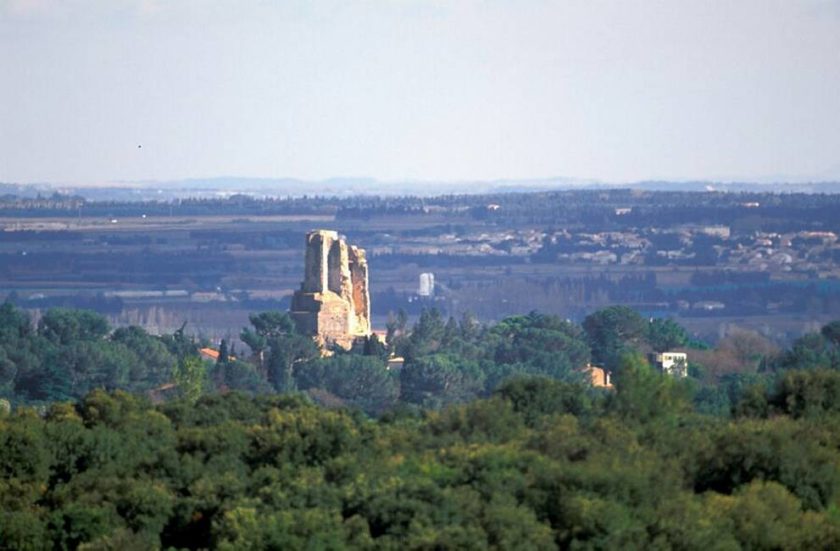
point(671, 363)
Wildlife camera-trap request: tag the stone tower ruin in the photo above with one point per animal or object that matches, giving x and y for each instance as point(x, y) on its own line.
point(333, 303)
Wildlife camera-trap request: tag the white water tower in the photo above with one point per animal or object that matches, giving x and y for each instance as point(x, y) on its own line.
point(427, 285)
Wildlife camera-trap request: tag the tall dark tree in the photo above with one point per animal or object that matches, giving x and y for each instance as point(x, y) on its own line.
point(643, 394)
point(470, 326)
point(439, 379)
point(180, 344)
point(536, 344)
point(154, 361)
point(614, 332)
point(64, 326)
point(278, 347)
point(224, 356)
point(355, 380)
point(266, 326)
point(831, 331)
point(665, 334)
point(426, 335)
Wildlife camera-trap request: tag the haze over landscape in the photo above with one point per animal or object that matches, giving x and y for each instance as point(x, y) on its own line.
point(98, 92)
point(402, 274)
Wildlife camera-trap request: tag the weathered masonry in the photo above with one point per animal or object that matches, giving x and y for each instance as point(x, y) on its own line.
point(333, 303)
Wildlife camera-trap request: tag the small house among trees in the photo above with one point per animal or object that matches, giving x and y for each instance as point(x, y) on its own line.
point(671, 363)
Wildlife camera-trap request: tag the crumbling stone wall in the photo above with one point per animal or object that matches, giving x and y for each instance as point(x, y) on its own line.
point(333, 303)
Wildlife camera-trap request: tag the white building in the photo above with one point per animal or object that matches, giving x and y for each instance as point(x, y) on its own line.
point(672, 363)
point(716, 231)
point(427, 285)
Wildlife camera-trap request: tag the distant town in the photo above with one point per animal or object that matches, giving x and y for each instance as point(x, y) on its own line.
point(717, 261)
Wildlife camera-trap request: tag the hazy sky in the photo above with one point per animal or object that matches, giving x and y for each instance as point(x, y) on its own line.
point(404, 89)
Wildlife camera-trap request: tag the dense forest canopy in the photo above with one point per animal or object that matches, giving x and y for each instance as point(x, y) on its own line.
point(489, 436)
point(540, 464)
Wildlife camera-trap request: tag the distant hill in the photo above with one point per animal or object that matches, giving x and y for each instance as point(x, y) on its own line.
point(350, 186)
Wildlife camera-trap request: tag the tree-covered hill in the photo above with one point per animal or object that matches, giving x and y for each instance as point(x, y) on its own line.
point(488, 437)
point(540, 464)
